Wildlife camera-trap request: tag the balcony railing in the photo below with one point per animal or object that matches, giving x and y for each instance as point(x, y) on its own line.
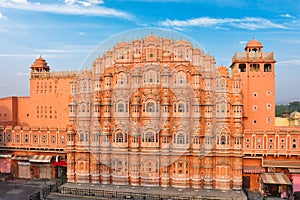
point(244, 56)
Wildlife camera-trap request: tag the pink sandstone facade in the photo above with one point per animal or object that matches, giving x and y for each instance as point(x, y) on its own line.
point(151, 112)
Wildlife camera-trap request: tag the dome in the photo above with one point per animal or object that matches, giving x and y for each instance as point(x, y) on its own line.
point(106, 128)
point(40, 63)
point(166, 99)
point(165, 131)
point(254, 44)
point(151, 39)
point(134, 130)
point(106, 99)
point(71, 130)
point(295, 115)
point(136, 99)
point(97, 101)
point(222, 70)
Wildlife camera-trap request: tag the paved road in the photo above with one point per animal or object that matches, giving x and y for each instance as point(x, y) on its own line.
point(17, 191)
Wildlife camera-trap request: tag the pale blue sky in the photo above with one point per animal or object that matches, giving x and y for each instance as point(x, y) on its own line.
point(64, 32)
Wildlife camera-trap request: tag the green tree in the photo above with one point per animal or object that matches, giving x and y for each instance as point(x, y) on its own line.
point(294, 106)
point(289, 108)
point(280, 110)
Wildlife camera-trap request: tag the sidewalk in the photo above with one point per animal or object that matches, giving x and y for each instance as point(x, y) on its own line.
point(142, 192)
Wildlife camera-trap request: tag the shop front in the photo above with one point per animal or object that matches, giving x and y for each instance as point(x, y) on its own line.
point(276, 185)
point(5, 163)
point(21, 166)
point(251, 176)
point(41, 166)
point(61, 169)
point(24, 170)
point(295, 177)
point(34, 166)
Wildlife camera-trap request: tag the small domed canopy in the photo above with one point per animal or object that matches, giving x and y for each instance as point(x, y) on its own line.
point(295, 115)
point(223, 71)
point(254, 44)
point(165, 100)
point(151, 39)
point(136, 99)
point(40, 65)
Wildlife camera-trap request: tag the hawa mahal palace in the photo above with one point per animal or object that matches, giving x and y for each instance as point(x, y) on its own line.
point(153, 112)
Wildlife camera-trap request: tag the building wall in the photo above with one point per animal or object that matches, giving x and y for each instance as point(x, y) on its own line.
point(257, 71)
point(8, 111)
point(280, 146)
point(282, 121)
point(151, 112)
point(24, 111)
point(161, 115)
point(36, 125)
point(49, 100)
point(24, 143)
point(281, 141)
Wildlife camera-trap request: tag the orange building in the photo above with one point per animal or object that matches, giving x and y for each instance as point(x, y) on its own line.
point(152, 112)
point(33, 133)
point(270, 152)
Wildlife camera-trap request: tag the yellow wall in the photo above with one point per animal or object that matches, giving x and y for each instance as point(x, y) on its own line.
point(280, 121)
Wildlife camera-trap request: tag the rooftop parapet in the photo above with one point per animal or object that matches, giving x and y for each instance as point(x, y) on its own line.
point(61, 74)
point(252, 56)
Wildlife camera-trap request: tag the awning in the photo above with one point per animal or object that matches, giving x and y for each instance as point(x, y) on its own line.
point(294, 171)
point(296, 182)
point(62, 163)
point(21, 158)
point(6, 155)
point(281, 163)
point(41, 158)
point(275, 178)
point(253, 169)
point(24, 163)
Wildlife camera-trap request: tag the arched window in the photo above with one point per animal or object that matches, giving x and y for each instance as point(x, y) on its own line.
point(222, 110)
point(81, 137)
point(223, 140)
point(180, 138)
point(150, 76)
point(119, 137)
point(223, 84)
point(148, 167)
point(122, 79)
point(181, 78)
point(181, 107)
point(120, 107)
point(84, 86)
point(150, 107)
point(83, 107)
point(86, 137)
point(254, 67)
point(88, 107)
point(149, 137)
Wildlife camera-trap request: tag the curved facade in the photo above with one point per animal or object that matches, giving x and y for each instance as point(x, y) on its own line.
point(156, 112)
point(153, 112)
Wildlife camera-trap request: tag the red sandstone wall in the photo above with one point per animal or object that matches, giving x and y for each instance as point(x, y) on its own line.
point(24, 111)
point(44, 108)
point(8, 111)
point(255, 89)
point(48, 102)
